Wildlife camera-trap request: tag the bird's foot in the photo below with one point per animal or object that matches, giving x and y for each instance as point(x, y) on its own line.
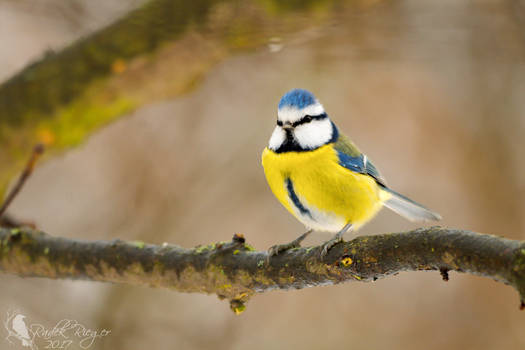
point(325, 248)
point(279, 248)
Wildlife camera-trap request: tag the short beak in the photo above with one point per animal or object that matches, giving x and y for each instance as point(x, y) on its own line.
point(287, 126)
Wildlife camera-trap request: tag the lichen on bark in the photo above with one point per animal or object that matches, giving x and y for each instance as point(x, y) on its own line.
point(234, 271)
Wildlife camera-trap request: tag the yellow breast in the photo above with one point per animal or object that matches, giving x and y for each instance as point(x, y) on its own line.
point(331, 195)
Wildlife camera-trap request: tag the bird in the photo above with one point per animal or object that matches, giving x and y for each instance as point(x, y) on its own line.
point(21, 330)
point(322, 178)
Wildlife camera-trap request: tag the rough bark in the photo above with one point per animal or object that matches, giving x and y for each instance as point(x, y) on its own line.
point(234, 271)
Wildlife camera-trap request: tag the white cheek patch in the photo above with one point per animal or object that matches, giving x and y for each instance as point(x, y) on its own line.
point(277, 138)
point(314, 134)
point(291, 114)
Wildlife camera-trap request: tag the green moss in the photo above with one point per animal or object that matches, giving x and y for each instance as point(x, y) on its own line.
point(284, 280)
point(5, 246)
point(236, 251)
point(283, 7)
point(59, 78)
point(158, 267)
point(238, 308)
point(244, 278)
point(72, 123)
point(249, 247)
point(519, 265)
point(26, 239)
point(46, 251)
point(138, 244)
point(260, 277)
point(203, 248)
point(316, 267)
point(217, 279)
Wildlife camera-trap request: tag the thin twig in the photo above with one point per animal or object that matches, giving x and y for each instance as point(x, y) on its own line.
point(37, 152)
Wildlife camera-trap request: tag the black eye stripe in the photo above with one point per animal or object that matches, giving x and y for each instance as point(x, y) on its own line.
point(309, 118)
point(306, 119)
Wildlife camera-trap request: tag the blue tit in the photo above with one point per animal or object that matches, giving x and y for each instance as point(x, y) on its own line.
point(322, 178)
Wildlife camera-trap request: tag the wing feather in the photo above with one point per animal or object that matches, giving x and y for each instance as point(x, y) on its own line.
point(351, 158)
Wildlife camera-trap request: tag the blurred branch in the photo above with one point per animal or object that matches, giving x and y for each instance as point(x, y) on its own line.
point(234, 271)
point(8, 221)
point(28, 170)
point(57, 78)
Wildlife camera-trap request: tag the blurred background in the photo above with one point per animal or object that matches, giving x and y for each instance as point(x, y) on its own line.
point(155, 115)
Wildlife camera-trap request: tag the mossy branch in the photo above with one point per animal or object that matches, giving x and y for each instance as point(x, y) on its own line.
point(234, 271)
point(58, 78)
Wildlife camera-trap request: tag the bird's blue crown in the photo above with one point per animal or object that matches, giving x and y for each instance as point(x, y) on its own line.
point(297, 98)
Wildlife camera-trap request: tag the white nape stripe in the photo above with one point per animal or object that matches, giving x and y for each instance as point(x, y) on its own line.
point(292, 114)
point(277, 138)
point(314, 134)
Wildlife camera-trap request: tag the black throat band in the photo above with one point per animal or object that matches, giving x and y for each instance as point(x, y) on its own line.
point(290, 143)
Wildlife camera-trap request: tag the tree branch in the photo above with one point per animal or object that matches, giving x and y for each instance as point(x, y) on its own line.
point(233, 270)
point(28, 170)
point(58, 78)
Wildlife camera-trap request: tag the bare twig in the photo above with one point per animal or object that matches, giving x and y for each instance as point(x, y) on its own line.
point(37, 152)
point(234, 271)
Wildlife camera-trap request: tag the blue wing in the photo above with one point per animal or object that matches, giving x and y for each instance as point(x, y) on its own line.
point(352, 159)
point(360, 164)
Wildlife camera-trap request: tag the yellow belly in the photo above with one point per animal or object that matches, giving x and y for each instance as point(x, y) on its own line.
point(333, 195)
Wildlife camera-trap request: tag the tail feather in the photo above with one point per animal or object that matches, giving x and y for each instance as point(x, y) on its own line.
point(409, 209)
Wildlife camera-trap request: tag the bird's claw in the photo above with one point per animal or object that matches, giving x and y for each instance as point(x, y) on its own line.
point(325, 248)
point(279, 248)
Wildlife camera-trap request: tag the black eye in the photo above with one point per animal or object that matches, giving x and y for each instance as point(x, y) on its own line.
point(280, 123)
point(307, 118)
